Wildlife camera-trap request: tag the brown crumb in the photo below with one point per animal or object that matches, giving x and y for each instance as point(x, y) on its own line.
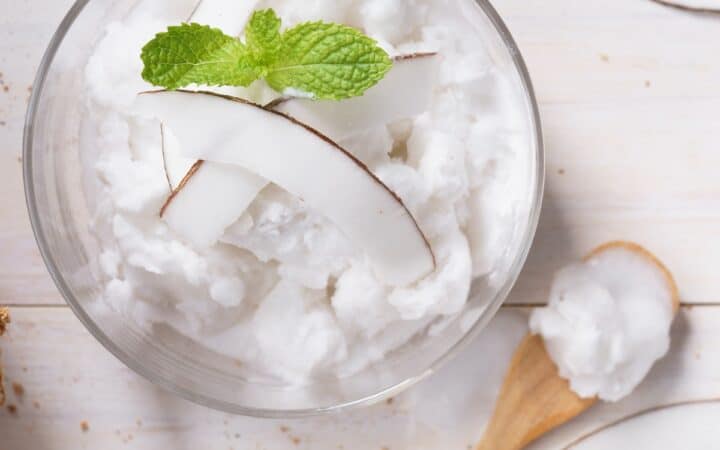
point(4, 319)
point(390, 401)
point(647, 83)
point(296, 440)
point(84, 426)
point(12, 409)
point(604, 57)
point(138, 422)
point(24, 369)
point(6, 88)
point(284, 428)
point(2, 123)
point(36, 404)
point(561, 171)
point(18, 389)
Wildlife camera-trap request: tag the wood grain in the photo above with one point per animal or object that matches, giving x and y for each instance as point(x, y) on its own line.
point(533, 400)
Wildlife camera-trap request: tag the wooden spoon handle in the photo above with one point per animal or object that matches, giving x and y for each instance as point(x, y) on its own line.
point(533, 400)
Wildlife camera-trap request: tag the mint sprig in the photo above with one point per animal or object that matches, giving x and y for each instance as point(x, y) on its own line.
point(192, 53)
point(324, 60)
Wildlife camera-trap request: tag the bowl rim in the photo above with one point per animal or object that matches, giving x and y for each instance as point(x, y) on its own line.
point(214, 403)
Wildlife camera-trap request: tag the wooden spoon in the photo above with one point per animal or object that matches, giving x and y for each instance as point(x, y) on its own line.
point(534, 399)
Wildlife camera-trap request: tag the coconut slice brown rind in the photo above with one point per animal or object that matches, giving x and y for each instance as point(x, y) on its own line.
point(641, 251)
point(195, 167)
point(413, 56)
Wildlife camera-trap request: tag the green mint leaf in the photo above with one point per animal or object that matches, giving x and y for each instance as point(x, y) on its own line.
point(328, 61)
point(193, 53)
point(322, 60)
point(263, 39)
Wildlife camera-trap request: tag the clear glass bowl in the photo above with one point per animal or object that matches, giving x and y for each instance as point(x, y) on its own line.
point(58, 211)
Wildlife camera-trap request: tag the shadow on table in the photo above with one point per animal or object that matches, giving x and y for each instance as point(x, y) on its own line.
point(552, 249)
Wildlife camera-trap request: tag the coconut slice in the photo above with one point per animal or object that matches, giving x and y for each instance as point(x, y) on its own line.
point(175, 164)
point(304, 162)
point(406, 91)
point(228, 15)
point(206, 180)
point(204, 204)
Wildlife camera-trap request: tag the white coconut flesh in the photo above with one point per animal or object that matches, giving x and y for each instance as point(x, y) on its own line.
point(204, 205)
point(406, 91)
point(175, 164)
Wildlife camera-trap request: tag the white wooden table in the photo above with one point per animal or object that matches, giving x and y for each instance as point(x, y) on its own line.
point(630, 98)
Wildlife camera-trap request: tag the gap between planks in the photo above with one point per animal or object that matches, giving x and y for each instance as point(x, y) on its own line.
point(685, 305)
point(688, 305)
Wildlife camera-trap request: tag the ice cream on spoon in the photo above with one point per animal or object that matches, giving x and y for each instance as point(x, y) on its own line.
point(607, 322)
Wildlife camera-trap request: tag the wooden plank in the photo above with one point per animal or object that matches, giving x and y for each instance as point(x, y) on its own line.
point(25, 30)
point(631, 135)
point(73, 379)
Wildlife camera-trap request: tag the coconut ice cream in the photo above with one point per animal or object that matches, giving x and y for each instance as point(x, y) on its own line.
point(608, 320)
point(306, 237)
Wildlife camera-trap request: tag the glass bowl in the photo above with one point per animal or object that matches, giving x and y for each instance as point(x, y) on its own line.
point(60, 218)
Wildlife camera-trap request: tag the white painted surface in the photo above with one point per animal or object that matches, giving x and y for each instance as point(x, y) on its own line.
point(664, 428)
point(629, 94)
